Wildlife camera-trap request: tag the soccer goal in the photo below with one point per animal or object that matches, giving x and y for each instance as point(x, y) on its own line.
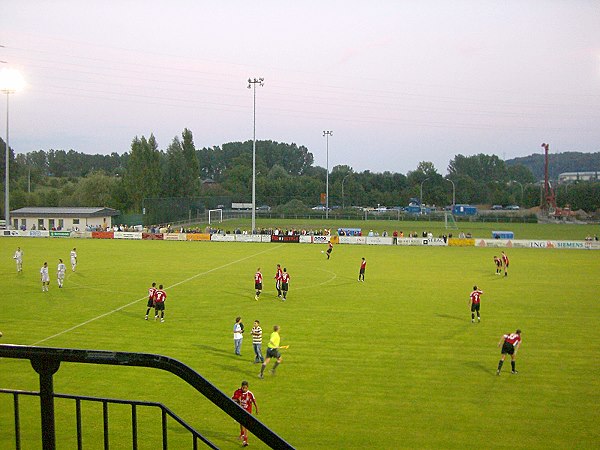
point(449, 221)
point(215, 212)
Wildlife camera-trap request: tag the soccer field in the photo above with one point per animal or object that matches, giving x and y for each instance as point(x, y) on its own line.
point(393, 362)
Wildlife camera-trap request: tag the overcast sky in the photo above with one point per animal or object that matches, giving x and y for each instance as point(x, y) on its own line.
point(397, 82)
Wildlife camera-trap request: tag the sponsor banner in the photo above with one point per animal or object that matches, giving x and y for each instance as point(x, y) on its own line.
point(222, 237)
point(528, 243)
point(378, 240)
point(285, 238)
point(81, 234)
point(352, 239)
point(265, 238)
point(198, 236)
point(8, 233)
point(320, 239)
point(436, 242)
point(411, 241)
point(127, 235)
point(457, 242)
point(37, 233)
point(305, 239)
point(60, 234)
point(247, 237)
point(102, 234)
point(174, 236)
point(152, 236)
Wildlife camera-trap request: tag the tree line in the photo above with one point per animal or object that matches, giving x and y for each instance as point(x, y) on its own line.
point(285, 175)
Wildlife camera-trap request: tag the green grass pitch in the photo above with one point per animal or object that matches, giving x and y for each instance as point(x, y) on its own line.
point(394, 362)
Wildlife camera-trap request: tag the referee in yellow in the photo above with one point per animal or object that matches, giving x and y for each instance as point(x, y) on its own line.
point(272, 352)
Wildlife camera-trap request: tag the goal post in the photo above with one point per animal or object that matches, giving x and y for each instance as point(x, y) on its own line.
point(215, 212)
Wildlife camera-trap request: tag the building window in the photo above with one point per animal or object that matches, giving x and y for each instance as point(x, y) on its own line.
point(75, 221)
point(51, 224)
point(61, 224)
point(40, 224)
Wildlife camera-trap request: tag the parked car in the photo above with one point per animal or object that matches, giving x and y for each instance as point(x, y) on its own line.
point(497, 207)
point(513, 207)
point(318, 208)
point(263, 208)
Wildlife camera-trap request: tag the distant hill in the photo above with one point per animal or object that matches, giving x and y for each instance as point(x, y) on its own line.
point(558, 163)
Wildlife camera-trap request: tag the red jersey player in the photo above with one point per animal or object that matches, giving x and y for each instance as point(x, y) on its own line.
point(278, 276)
point(151, 297)
point(475, 302)
point(505, 263)
point(257, 283)
point(245, 399)
point(361, 272)
point(510, 344)
point(285, 283)
point(159, 303)
point(329, 249)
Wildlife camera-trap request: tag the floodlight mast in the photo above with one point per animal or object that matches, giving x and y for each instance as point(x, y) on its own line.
point(252, 82)
point(327, 134)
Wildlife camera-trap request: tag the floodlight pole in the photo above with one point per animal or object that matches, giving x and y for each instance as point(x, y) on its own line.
point(421, 192)
point(453, 192)
point(7, 170)
point(522, 190)
point(327, 134)
point(252, 82)
point(344, 179)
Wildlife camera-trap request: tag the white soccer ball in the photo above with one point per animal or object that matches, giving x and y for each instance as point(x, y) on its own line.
point(322, 251)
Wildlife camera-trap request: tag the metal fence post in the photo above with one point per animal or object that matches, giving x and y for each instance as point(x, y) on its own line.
point(47, 368)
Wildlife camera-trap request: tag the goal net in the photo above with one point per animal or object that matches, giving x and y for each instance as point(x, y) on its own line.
point(215, 212)
point(449, 221)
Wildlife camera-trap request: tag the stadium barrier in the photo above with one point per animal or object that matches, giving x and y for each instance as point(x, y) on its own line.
point(310, 239)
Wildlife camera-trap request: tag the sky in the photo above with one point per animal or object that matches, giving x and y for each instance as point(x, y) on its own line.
point(396, 81)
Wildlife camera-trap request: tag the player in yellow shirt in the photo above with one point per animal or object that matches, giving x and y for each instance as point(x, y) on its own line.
point(272, 351)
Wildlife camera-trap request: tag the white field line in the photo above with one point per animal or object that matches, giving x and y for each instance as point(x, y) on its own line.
point(145, 297)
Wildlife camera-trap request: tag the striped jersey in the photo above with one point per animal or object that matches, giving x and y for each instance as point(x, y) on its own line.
point(258, 277)
point(151, 293)
point(285, 277)
point(256, 335)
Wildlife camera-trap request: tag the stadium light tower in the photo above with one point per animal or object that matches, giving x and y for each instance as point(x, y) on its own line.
point(252, 82)
point(11, 81)
point(453, 192)
point(421, 191)
point(327, 134)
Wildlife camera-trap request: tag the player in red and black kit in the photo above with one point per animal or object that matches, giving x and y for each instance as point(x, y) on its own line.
point(278, 276)
point(151, 297)
point(510, 344)
point(329, 249)
point(475, 302)
point(361, 272)
point(245, 399)
point(498, 263)
point(159, 303)
point(257, 283)
point(285, 283)
point(505, 263)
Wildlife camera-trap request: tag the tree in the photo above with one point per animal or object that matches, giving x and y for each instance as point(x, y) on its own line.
point(143, 175)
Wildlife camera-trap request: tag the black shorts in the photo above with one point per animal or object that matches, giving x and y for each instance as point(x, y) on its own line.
point(273, 353)
point(329, 250)
point(159, 306)
point(284, 287)
point(362, 271)
point(475, 307)
point(508, 348)
point(150, 303)
point(258, 286)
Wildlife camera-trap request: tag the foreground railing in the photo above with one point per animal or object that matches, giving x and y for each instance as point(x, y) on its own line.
point(46, 362)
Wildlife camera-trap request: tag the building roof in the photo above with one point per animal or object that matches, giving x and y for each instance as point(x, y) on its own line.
point(63, 211)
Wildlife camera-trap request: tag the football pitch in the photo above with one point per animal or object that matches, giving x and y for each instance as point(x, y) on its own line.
point(393, 362)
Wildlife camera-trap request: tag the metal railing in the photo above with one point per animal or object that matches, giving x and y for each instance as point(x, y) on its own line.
point(46, 362)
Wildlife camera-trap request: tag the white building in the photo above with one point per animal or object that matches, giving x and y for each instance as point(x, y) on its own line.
point(62, 218)
point(570, 177)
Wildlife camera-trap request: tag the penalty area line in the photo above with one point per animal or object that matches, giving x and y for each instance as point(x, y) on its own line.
point(108, 313)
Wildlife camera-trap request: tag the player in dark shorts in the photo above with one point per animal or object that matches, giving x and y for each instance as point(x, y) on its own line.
point(329, 249)
point(151, 297)
point(285, 284)
point(498, 263)
point(510, 345)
